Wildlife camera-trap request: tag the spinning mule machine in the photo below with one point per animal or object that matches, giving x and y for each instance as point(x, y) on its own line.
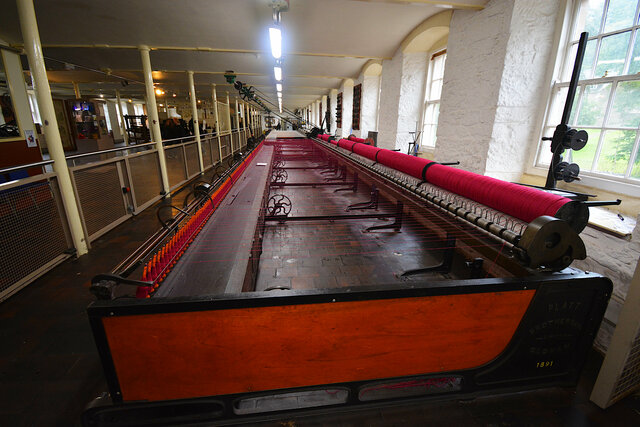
point(311, 273)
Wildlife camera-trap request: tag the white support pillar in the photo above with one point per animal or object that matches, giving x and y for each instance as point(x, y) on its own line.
point(76, 90)
point(196, 124)
point(33, 48)
point(123, 124)
point(152, 111)
point(230, 124)
point(238, 122)
point(214, 95)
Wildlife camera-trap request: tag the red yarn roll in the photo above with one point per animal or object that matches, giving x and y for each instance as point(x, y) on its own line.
point(356, 139)
point(522, 202)
point(367, 151)
point(346, 144)
point(399, 161)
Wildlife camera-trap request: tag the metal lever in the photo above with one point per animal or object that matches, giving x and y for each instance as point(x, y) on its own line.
point(602, 203)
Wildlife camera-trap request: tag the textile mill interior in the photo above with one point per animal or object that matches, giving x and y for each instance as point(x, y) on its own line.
point(347, 212)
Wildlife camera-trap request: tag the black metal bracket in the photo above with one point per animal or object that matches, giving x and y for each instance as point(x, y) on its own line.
point(371, 204)
point(341, 175)
point(353, 186)
point(396, 225)
point(442, 267)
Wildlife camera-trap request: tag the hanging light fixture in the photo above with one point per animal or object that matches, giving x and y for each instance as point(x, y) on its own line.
point(275, 36)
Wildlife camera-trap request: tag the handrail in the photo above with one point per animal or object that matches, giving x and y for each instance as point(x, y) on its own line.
point(111, 150)
point(177, 139)
point(30, 165)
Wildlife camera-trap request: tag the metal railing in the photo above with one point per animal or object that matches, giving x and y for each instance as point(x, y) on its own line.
point(110, 186)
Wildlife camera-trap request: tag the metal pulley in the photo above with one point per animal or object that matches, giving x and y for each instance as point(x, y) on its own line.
point(551, 243)
point(567, 172)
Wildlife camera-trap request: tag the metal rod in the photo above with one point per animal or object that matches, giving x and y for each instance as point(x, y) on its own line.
point(575, 77)
point(307, 184)
point(30, 165)
point(283, 218)
point(110, 150)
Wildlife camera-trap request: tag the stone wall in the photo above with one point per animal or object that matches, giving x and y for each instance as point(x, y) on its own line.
point(472, 77)
point(347, 107)
point(369, 105)
point(414, 72)
point(497, 62)
point(389, 98)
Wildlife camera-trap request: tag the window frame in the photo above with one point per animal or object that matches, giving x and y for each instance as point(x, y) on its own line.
point(564, 64)
point(427, 92)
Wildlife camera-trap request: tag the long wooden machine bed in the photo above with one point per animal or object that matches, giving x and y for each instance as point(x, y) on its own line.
point(317, 273)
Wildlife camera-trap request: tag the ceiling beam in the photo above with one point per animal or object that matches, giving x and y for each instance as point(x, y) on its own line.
point(202, 49)
point(460, 4)
point(309, 76)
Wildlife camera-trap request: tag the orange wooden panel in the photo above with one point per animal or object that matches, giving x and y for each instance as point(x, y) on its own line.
point(183, 355)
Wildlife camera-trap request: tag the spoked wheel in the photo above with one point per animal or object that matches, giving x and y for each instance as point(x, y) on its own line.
point(278, 205)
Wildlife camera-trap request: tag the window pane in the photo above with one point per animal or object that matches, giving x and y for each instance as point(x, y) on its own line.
point(436, 89)
point(587, 63)
point(545, 149)
point(620, 14)
point(635, 171)
point(613, 52)
point(430, 125)
point(594, 102)
point(616, 151)
point(439, 66)
point(626, 105)
point(590, 18)
point(634, 65)
point(584, 157)
point(557, 106)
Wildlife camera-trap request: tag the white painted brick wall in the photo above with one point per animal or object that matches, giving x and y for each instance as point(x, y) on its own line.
point(369, 104)
point(528, 54)
point(389, 99)
point(473, 71)
point(414, 71)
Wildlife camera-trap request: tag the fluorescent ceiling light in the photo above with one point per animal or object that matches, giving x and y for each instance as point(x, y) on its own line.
point(279, 87)
point(277, 72)
point(279, 94)
point(276, 42)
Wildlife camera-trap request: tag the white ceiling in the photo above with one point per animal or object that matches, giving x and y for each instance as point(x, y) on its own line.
point(323, 41)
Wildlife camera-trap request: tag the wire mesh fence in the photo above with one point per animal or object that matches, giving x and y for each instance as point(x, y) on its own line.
point(33, 232)
point(99, 189)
